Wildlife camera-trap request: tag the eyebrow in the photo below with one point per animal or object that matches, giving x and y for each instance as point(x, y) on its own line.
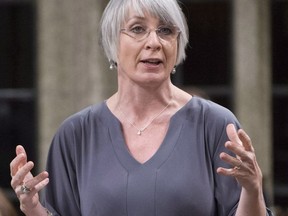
point(140, 18)
point(135, 18)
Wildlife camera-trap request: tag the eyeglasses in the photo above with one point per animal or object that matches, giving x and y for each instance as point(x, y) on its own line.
point(164, 33)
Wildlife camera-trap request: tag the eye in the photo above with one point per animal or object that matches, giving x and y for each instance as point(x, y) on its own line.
point(165, 30)
point(137, 29)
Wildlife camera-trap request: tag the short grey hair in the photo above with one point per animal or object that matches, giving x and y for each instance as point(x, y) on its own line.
point(116, 13)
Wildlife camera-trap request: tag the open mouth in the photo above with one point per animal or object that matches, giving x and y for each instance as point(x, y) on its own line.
point(152, 61)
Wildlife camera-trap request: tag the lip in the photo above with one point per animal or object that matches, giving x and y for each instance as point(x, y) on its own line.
point(151, 60)
point(151, 63)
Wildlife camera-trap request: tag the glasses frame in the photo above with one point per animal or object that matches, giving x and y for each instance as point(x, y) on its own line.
point(148, 31)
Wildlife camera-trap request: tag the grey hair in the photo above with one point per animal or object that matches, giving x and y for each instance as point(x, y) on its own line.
point(116, 13)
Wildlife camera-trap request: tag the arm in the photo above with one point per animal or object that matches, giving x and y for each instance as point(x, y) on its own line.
point(246, 171)
point(21, 175)
point(61, 196)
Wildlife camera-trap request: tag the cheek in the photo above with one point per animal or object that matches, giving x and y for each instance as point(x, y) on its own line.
point(171, 53)
point(121, 51)
point(127, 55)
point(127, 50)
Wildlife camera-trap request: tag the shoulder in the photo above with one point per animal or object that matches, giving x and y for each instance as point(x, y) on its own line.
point(85, 117)
point(71, 131)
point(210, 115)
point(209, 110)
point(211, 119)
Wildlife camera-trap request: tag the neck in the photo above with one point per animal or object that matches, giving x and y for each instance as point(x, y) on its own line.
point(141, 105)
point(137, 121)
point(143, 97)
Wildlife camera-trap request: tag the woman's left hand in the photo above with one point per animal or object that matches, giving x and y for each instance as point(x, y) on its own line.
point(246, 169)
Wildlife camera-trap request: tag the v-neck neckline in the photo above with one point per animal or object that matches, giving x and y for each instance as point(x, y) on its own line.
point(160, 156)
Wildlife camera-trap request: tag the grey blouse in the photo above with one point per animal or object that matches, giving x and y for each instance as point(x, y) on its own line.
point(92, 173)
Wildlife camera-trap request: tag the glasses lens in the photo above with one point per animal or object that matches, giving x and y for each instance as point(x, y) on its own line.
point(138, 33)
point(167, 33)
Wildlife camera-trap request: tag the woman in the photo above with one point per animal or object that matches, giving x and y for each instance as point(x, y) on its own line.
point(151, 148)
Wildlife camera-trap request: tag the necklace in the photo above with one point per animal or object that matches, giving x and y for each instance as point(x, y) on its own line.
point(141, 130)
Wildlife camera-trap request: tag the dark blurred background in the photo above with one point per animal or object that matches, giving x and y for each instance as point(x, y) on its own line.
point(211, 35)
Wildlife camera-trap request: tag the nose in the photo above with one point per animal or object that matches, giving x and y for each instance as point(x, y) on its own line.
point(153, 41)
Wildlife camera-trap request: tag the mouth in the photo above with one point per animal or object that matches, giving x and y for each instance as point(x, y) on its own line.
point(152, 61)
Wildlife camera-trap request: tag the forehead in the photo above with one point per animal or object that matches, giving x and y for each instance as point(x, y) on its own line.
point(145, 18)
point(144, 12)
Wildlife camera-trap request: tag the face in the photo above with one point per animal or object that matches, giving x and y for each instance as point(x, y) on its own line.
point(150, 59)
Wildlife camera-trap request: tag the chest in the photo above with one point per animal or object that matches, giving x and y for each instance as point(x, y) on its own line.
point(176, 180)
point(142, 146)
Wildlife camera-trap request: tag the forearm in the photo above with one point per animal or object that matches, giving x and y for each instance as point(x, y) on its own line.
point(251, 204)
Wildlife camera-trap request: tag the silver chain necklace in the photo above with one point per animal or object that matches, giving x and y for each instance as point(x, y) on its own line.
point(141, 130)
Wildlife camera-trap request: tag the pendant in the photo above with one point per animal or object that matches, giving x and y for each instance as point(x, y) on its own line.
point(139, 132)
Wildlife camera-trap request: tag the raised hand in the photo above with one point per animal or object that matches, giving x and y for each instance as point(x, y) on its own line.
point(25, 185)
point(246, 169)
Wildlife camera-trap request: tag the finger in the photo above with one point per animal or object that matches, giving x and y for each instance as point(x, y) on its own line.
point(34, 185)
point(226, 172)
point(234, 162)
point(18, 178)
point(17, 163)
point(20, 150)
point(247, 143)
point(237, 173)
point(42, 184)
point(34, 182)
point(232, 134)
point(237, 149)
point(39, 187)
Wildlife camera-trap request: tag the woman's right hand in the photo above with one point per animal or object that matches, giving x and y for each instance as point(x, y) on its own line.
point(25, 185)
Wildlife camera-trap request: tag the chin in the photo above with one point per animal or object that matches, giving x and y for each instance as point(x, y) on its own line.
point(153, 79)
